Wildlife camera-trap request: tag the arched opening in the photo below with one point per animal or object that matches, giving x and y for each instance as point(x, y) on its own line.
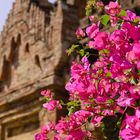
point(27, 48)
point(14, 50)
point(1, 86)
point(18, 40)
point(37, 61)
point(6, 72)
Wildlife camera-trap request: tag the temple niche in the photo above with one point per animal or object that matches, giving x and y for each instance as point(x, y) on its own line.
point(32, 58)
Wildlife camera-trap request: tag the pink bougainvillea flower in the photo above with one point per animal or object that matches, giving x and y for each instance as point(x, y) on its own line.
point(135, 91)
point(62, 126)
point(46, 93)
point(80, 33)
point(91, 44)
point(77, 134)
point(113, 8)
point(132, 31)
point(86, 63)
point(92, 30)
point(57, 137)
point(99, 64)
point(44, 131)
point(52, 105)
point(130, 56)
point(138, 65)
point(136, 50)
point(131, 16)
point(76, 70)
point(101, 41)
point(97, 120)
point(40, 136)
point(125, 101)
point(118, 37)
point(47, 128)
point(99, 4)
point(114, 21)
point(131, 131)
point(93, 19)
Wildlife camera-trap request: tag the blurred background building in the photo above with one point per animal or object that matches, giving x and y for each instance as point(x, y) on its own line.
point(32, 58)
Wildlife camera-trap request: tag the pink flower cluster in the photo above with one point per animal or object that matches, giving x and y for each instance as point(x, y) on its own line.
point(70, 128)
point(80, 33)
point(131, 130)
point(45, 130)
point(112, 83)
point(113, 9)
point(106, 87)
point(51, 103)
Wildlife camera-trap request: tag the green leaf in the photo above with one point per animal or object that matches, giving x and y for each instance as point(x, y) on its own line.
point(109, 66)
point(100, 71)
point(132, 80)
point(110, 101)
point(122, 13)
point(91, 100)
point(88, 11)
point(102, 126)
point(72, 49)
point(138, 102)
point(89, 7)
point(127, 71)
point(87, 54)
point(82, 52)
point(109, 74)
point(73, 106)
point(119, 123)
point(105, 19)
point(104, 51)
point(89, 119)
point(71, 110)
point(61, 102)
point(47, 99)
point(73, 103)
point(139, 72)
point(119, 1)
point(136, 20)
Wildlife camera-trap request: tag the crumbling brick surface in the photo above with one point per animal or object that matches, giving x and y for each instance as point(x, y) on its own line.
point(32, 58)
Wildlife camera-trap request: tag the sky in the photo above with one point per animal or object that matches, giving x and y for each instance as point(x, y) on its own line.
point(5, 6)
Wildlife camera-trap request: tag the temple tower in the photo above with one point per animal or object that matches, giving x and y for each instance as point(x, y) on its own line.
point(32, 58)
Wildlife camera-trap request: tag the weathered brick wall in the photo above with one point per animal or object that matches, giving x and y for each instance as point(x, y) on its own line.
point(32, 58)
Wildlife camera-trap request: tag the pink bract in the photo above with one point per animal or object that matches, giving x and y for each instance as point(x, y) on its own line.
point(80, 33)
point(52, 105)
point(131, 131)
